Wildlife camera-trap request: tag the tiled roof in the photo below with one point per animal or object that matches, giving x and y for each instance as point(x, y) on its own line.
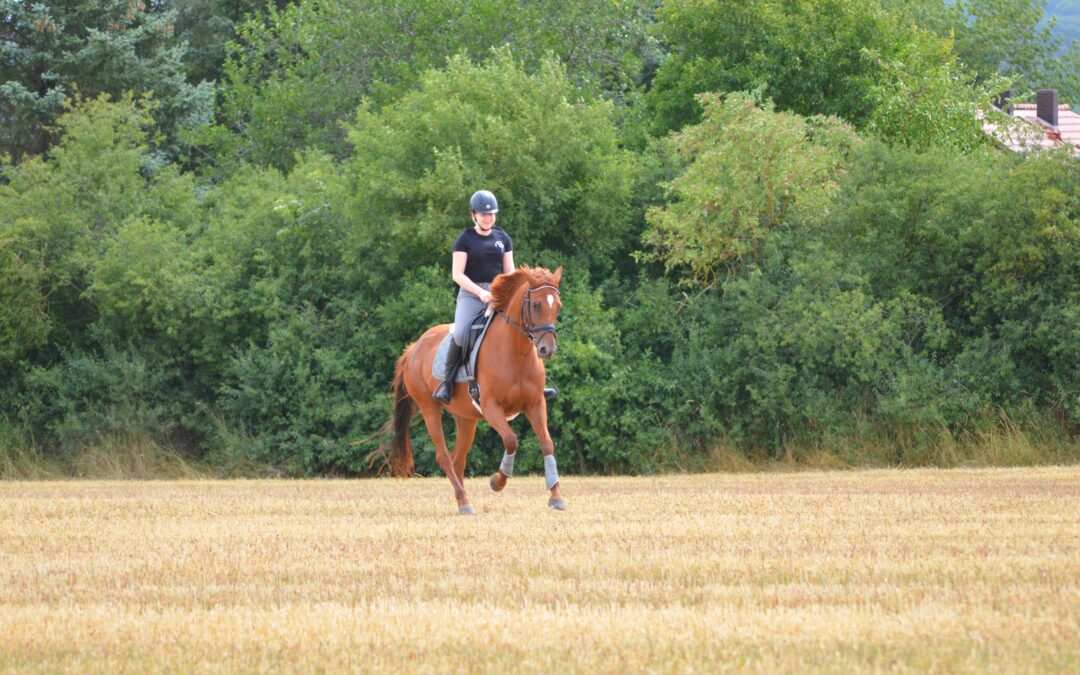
point(1032, 132)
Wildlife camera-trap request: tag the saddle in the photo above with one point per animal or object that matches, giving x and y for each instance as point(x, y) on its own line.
point(478, 329)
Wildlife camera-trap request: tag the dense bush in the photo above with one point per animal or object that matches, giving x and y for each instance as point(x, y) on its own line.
point(794, 349)
point(768, 280)
point(991, 239)
point(295, 77)
point(553, 159)
point(88, 398)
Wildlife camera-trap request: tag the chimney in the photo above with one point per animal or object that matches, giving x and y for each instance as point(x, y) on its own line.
point(1047, 106)
point(1002, 102)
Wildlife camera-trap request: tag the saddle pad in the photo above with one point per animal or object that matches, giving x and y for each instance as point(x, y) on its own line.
point(438, 366)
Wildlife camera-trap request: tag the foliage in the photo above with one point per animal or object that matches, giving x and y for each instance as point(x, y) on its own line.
point(295, 78)
point(51, 52)
point(89, 398)
point(750, 171)
point(1026, 41)
point(993, 241)
point(59, 213)
point(24, 323)
point(877, 286)
point(941, 284)
point(809, 56)
point(489, 126)
point(792, 349)
point(991, 36)
point(1067, 76)
point(207, 26)
point(924, 98)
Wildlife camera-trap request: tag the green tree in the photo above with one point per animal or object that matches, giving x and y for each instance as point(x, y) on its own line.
point(82, 363)
point(1067, 75)
point(24, 322)
point(795, 350)
point(1013, 38)
point(60, 212)
point(1005, 36)
point(809, 56)
point(750, 171)
point(48, 52)
point(293, 79)
point(923, 97)
point(993, 240)
point(207, 26)
point(554, 161)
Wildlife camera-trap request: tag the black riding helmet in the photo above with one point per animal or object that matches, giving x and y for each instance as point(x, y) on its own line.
point(483, 202)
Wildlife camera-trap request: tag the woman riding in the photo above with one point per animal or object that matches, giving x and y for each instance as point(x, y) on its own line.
point(481, 253)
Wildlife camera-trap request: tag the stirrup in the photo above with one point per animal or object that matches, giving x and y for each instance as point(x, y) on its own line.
point(474, 391)
point(550, 393)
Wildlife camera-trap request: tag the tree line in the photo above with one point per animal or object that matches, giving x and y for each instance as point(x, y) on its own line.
point(783, 228)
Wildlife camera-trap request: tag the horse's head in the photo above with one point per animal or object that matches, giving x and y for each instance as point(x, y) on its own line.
point(540, 311)
point(537, 291)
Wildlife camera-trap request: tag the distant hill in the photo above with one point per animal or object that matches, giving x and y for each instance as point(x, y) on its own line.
point(1067, 13)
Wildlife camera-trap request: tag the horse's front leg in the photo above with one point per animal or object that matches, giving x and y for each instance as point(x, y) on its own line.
point(537, 414)
point(496, 419)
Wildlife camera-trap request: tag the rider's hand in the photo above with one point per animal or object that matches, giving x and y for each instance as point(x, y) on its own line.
point(485, 297)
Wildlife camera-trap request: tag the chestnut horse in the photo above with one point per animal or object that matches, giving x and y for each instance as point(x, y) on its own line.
point(509, 372)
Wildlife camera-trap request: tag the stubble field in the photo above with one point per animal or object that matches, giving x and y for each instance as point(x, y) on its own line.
point(962, 570)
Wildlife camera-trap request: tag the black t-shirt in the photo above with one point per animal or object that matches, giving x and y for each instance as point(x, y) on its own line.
point(485, 254)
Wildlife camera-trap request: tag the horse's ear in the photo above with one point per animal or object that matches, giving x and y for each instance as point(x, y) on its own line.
point(558, 274)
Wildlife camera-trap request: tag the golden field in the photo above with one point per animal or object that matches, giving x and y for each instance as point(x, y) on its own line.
point(918, 570)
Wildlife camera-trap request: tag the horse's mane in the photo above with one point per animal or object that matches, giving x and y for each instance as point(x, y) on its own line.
point(505, 285)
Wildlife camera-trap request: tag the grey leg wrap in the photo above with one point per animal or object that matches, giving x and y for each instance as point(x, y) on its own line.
point(550, 472)
point(507, 466)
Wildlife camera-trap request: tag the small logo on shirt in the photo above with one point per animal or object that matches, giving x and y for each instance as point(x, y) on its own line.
point(500, 246)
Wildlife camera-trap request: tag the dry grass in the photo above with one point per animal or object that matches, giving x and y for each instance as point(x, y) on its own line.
point(121, 457)
point(925, 570)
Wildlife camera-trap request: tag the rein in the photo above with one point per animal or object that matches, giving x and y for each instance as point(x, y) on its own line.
point(532, 331)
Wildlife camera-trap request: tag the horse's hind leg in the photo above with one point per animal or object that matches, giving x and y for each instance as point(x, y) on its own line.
point(433, 421)
point(463, 440)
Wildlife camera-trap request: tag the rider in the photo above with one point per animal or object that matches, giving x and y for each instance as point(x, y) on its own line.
point(481, 253)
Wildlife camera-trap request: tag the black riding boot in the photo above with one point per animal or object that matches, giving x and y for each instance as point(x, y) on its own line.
point(445, 391)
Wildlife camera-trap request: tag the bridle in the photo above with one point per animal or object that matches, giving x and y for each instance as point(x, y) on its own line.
point(534, 332)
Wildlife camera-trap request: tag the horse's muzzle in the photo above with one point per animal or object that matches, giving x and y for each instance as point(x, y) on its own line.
point(543, 337)
point(546, 352)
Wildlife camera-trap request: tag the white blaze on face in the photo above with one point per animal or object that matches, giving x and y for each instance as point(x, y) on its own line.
point(551, 301)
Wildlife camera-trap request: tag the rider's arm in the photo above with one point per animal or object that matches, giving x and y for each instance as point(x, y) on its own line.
point(458, 268)
point(508, 262)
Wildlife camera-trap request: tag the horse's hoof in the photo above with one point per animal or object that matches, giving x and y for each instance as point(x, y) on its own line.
point(494, 483)
point(557, 504)
point(467, 510)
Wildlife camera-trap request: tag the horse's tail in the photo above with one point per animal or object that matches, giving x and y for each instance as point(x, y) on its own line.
point(395, 454)
point(400, 458)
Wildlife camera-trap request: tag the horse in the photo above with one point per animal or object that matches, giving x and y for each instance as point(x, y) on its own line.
point(510, 374)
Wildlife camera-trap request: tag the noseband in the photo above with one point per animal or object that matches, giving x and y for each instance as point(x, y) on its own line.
point(532, 331)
